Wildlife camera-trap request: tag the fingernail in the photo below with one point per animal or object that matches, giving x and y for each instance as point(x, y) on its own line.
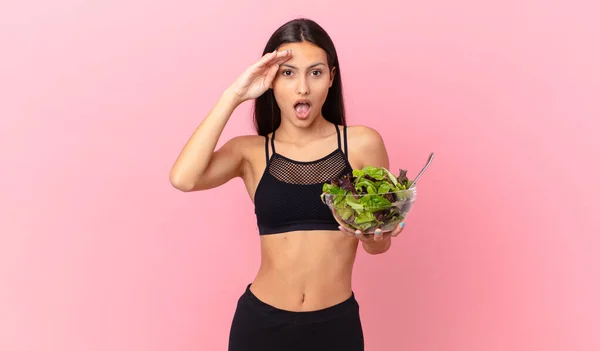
point(357, 233)
point(339, 227)
point(402, 225)
point(377, 231)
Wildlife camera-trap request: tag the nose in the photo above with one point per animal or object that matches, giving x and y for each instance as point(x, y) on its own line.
point(302, 88)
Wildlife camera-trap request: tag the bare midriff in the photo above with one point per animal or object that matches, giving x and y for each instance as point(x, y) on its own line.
point(305, 270)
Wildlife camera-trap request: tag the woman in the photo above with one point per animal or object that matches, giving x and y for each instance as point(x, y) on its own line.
point(301, 297)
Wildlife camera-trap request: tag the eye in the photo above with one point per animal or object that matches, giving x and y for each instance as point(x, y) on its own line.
point(318, 73)
point(285, 71)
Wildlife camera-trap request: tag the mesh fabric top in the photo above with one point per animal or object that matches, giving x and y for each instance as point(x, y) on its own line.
point(288, 195)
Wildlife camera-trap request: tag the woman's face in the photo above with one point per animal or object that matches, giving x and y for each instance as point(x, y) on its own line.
point(302, 83)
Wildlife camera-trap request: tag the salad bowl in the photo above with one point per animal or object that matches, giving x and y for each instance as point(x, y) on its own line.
point(370, 198)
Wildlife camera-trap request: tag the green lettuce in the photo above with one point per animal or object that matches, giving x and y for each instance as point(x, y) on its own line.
point(364, 199)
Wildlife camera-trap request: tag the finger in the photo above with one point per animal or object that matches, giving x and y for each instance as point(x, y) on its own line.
point(346, 231)
point(398, 230)
point(281, 57)
point(284, 55)
point(265, 59)
point(362, 236)
point(275, 57)
point(378, 236)
point(273, 66)
point(271, 74)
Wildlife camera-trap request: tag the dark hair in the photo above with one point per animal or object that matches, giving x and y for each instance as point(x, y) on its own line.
point(267, 115)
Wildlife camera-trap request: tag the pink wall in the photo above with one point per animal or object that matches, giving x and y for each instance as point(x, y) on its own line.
point(98, 252)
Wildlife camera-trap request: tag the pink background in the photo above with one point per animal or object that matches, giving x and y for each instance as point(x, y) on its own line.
point(98, 252)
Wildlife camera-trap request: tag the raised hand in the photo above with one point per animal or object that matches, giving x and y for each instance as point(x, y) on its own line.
point(257, 78)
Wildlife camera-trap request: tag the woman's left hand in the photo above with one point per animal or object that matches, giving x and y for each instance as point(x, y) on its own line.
point(378, 236)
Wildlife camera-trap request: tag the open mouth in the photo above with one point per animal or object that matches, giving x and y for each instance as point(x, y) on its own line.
point(302, 109)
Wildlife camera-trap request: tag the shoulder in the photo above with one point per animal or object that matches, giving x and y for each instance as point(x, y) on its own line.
point(243, 142)
point(366, 147)
point(363, 135)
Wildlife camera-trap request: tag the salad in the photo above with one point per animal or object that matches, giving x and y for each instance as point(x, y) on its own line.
point(369, 198)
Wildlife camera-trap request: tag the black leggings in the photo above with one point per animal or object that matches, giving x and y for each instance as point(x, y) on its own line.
point(257, 326)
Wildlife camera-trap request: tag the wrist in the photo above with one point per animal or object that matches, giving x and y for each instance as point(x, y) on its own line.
point(231, 97)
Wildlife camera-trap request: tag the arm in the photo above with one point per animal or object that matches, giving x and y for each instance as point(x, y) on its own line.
point(199, 166)
point(370, 150)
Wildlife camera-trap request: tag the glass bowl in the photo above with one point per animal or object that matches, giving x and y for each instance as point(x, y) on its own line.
point(367, 212)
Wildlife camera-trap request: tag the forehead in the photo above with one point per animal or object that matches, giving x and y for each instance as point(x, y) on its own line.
point(304, 53)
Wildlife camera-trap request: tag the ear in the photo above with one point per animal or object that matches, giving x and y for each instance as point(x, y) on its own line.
point(332, 77)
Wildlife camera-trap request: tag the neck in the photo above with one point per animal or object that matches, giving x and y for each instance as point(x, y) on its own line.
point(288, 132)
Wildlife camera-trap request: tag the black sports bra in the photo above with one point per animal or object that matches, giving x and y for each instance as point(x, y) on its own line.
point(287, 197)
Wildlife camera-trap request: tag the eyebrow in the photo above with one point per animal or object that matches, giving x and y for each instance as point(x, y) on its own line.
point(311, 66)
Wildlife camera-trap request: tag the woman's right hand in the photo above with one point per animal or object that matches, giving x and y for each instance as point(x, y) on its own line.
point(257, 78)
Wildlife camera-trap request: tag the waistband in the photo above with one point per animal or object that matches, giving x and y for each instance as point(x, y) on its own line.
point(345, 308)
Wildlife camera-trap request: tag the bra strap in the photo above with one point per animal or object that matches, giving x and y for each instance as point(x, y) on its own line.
point(345, 141)
point(273, 142)
point(267, 147)
point(337, 129)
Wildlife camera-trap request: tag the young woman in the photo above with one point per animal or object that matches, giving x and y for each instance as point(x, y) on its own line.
point(301, 297)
